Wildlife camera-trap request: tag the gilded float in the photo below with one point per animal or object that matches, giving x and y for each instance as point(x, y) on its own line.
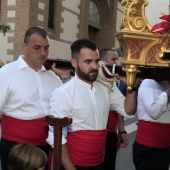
point(140, 46)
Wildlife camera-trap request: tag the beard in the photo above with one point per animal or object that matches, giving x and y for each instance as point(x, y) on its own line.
point(87, 76)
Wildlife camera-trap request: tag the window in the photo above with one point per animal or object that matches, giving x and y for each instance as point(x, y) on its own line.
point(94, 22)
point(92, 33)
point(94, 13)
point(51, 14)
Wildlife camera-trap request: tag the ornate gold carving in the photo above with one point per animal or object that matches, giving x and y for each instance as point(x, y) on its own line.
point(163, 56)
point(140, 46)
point(131, 72)
point(134, 17)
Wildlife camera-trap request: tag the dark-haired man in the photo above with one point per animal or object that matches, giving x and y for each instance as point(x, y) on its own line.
point(88, 103)
point(25, 95)
point(112, 143)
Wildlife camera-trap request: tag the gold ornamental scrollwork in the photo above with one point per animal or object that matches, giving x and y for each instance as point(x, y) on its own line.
point(163, 56)
point(140, 46)
point(131, 72)
point(134, 17)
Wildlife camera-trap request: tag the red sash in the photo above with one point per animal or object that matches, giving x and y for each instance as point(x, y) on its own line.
point(86, 147)
point(153, 134)
point(29, 131)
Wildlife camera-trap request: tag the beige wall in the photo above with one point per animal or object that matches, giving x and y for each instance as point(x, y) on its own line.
point(155, 9)
point(119, 18)
point(71, 22)
point(6, 45)
point(60, 48)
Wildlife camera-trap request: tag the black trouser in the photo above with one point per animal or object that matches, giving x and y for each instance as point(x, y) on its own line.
point(7, 145)
point(148, 158)
point(110, 151)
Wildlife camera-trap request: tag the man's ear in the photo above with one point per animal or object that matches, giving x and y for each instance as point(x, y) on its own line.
point(24, 46)
point(74, 62)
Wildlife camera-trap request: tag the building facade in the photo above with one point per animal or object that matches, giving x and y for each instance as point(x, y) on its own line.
point(65, 21)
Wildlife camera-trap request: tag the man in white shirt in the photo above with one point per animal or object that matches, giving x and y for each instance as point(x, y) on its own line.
point(151, 146)
point(1, 64)
point(112, 143)
point(25, 95)
point(88, 103)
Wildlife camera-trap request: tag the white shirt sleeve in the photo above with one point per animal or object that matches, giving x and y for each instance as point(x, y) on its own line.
point(154, 100)
point(58, 108)
point(4, 86)
point(50, 139)
point(117, 102)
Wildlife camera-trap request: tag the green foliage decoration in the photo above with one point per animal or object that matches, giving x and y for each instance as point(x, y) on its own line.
point(5, 28)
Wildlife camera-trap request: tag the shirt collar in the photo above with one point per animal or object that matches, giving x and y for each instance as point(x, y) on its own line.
point(84, 83)
point(22, 64)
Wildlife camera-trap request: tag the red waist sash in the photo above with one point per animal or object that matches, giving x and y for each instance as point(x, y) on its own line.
point(153, 134)
point(86, 147)
point(29, 131)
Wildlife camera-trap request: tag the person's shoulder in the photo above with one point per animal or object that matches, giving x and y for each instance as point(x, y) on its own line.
point(148, 82)
point(9, 67)
point(53, 75)
point(68, 86)
point(66, 89)
point(103, 87)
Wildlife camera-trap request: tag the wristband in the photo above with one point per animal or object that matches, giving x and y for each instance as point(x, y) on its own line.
point(123, 132)
point(135, 88)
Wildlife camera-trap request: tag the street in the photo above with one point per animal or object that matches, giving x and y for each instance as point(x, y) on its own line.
point(124, 159)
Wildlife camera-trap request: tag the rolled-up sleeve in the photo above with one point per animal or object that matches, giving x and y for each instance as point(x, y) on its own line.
point(58, 108)
point(50, 139)
point(117, 102)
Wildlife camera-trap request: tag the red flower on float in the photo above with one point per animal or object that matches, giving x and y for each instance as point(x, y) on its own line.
point(163, 26)
point(165, 17)
point(160, 27)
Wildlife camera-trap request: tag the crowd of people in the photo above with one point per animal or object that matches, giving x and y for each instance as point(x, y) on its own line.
point(29, 92)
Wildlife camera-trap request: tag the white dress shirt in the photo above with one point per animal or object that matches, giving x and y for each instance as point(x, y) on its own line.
point(87, 105)
point(153, 102)
point(25, 93)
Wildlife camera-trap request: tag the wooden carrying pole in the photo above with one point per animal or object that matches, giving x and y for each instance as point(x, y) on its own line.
point(58, 124)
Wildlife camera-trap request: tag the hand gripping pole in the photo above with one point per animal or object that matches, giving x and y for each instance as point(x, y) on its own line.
point(58, 124)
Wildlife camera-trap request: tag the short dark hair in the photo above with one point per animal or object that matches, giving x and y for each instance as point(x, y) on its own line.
point(26, 156)
point(79, 44)
point(104, 52)
point(35, 30)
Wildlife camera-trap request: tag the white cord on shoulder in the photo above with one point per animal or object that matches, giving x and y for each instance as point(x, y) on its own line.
point(107, 70)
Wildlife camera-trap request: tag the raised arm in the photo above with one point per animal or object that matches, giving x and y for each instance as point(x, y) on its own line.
point(130, 104)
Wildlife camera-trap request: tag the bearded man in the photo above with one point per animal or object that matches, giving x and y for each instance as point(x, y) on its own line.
point(88, 103)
